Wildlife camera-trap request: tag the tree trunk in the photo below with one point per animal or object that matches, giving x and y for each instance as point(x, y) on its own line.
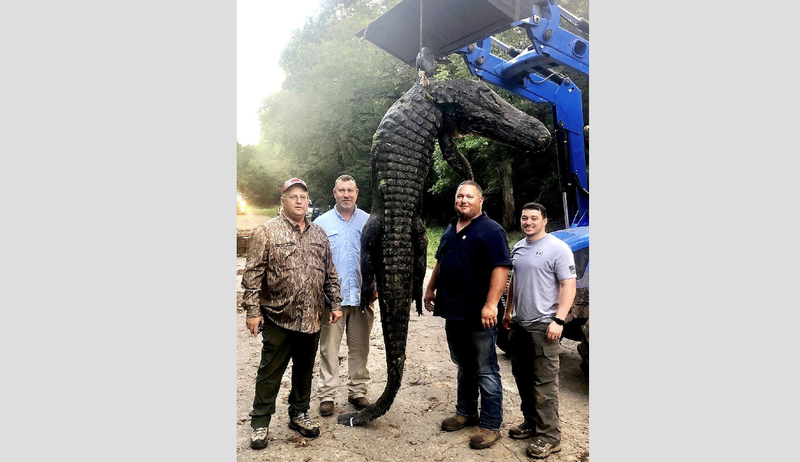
point(340, 158)
point(504, 173)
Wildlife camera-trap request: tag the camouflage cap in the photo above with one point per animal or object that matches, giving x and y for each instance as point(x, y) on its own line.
point(291, 182)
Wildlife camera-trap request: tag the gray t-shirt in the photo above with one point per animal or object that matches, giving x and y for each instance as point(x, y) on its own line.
point(538, 268)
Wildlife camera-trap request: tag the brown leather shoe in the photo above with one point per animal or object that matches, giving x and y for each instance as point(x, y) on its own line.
point(359, 403)
point(485, 438)
point(326, 408)
point(457, 422)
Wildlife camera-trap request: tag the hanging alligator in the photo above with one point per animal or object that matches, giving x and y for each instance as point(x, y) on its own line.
point(394, 241)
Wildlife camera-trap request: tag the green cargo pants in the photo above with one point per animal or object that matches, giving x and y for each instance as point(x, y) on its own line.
point(279, 346)
point(535, 365)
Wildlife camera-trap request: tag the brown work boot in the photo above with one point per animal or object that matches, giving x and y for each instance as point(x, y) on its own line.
point(521, 431)
point(326, 408)
point(485, 438)
point(359, 403)
point(540, 449)
point(457, 422)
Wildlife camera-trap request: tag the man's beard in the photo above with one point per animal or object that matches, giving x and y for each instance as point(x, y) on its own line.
point(468, 215)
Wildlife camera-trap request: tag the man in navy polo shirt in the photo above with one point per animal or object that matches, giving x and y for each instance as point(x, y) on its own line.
point(466, 284)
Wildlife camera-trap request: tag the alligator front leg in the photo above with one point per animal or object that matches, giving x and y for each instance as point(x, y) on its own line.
point(456, 160)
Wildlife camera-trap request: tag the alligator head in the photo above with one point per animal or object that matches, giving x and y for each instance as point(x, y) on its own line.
point(471, 107)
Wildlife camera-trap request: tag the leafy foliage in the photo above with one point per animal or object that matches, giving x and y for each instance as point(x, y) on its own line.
point(337, 88)
point(259, 173)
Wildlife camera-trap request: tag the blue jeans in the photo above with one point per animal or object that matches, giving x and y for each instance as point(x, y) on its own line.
point(472, 349)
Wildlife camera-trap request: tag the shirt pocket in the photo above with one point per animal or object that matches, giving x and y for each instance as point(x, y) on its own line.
point(284, 254)
point(316, 256)
point(316, 263)
point(334, 238)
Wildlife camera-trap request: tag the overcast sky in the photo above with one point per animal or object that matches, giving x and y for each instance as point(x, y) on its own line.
point(263, 28)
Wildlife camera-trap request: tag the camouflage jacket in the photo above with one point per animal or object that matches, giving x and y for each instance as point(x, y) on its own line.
point(286, 274)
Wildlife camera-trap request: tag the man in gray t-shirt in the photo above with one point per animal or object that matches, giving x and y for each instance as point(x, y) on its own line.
point(539, 268)
point(540, 294)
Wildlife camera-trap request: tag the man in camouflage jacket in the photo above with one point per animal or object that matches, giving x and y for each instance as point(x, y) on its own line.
point(289, 267)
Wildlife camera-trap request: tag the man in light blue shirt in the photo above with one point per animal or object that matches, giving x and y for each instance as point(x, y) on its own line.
point(343, 225)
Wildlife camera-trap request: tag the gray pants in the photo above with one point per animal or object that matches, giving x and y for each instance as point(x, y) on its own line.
point(535, 365)
point(358, 326)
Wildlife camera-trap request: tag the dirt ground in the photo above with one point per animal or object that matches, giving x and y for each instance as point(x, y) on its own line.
point(409, 431)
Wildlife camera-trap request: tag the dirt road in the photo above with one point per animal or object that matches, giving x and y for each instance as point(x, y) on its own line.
point(250, 220)
point(409, 431)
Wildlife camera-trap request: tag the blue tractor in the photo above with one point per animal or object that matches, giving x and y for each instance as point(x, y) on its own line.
point(539, 73)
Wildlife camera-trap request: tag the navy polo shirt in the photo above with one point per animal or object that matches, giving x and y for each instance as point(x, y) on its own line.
point(466, 261)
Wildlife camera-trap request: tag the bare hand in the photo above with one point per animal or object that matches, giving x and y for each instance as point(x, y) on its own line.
point(252, 324)
point(554, 331)
point(430, 295)
point(335, 315)
point(507, 320)
point(374, 294)
point(489, 316)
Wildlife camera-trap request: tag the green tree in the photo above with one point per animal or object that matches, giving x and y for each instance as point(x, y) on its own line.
point(259, 172)
point(336, 91)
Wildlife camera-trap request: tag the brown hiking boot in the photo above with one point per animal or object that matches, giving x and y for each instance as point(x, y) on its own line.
point(326, 408)
point(301, 423)
point(521, 431)
point(258, 440)
point(485, 438)
point(540, 449)
point(359, 403)
point(457, 422)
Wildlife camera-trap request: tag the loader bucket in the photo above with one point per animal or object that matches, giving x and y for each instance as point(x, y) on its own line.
point(447, 25)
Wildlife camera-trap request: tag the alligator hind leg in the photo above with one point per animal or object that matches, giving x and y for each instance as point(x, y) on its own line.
point(419, 241)
point(370, 251)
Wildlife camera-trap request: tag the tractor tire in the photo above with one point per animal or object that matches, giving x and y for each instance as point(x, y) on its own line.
point(502, 339)
point(583, 349)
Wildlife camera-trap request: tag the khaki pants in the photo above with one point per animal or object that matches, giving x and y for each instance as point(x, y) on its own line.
point(535, 365)
point(358, 326)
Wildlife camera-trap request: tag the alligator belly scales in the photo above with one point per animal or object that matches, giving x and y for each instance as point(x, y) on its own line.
point(394, 240)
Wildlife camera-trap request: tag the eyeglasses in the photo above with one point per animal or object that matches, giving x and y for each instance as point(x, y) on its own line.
point(295, 197)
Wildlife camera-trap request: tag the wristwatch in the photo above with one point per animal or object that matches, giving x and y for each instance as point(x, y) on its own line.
point(558, 321)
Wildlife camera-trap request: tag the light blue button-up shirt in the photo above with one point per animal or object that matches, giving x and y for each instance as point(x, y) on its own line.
point(345, 239)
